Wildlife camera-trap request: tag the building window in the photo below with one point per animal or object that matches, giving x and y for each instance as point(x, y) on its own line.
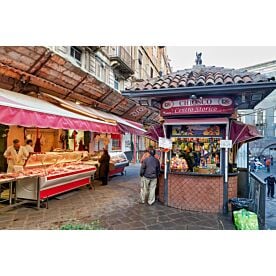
point(116, 83)
point(101, 70)
point(76, 53)
point(260, 118)
point(116, 141)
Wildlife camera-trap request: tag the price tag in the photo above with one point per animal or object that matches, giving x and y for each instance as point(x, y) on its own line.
point(165, 143)
point(226, 144)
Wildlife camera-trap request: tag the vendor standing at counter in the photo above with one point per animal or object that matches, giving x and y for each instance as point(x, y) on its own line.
point(29, 146)
point(16, 155)
point(104, 167)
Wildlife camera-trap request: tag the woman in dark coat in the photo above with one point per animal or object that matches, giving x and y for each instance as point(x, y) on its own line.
point(104, 167)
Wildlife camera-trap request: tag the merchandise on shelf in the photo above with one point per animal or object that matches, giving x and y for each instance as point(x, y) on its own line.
point(196, 154)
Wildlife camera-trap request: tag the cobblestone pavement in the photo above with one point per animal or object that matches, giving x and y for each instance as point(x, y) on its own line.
point(115, 206)
point(270, 209)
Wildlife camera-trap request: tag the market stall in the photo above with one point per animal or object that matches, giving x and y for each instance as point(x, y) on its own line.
point(46, 174)
point(198, 106)
point(196, 155)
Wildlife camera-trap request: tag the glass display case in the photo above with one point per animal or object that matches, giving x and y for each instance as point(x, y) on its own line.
point(118, 161)
point(57, 172)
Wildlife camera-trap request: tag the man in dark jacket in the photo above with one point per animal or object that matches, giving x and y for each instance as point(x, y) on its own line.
point(270, 180)
point(150, 170)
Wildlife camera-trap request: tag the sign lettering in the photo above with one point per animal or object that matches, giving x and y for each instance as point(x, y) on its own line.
point(203, 105)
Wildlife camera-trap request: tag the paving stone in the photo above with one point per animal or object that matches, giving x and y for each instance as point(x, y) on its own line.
point(163, 218)
point(199, 227)
point(149, 221)
point(155, 227)
point(115, 206)
point(168, 225)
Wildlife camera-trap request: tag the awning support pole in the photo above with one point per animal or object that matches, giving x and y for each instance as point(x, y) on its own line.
point(166, 164)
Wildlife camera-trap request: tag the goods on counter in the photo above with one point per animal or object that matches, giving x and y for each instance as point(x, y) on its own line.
point(116, 160)
point(178, 164)
point(7, 175)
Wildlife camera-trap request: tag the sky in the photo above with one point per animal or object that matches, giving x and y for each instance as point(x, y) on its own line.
point(183, 57)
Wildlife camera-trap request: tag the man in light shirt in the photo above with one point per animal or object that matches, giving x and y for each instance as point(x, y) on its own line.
point(16, 155)
point(29, 146)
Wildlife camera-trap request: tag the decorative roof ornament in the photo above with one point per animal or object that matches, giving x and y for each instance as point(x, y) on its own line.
point(198, 59)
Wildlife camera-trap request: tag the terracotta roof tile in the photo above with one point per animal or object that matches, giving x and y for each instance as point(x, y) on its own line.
point(201, 76)
point(238, 79)
point(247, 79)
point(218, 80)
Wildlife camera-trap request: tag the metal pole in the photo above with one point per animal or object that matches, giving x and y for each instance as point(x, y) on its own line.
point(165, 172)
point(166, 180)
point(248, 170)
point(38, 192)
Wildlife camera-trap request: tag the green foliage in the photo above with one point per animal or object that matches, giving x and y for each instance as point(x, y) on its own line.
point(94, 225)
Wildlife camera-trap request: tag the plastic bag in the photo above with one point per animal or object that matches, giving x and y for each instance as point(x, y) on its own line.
point(245, 220)
point(240, 203)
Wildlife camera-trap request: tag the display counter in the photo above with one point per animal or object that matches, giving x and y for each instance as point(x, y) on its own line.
point(118, 162)
point(57, 172)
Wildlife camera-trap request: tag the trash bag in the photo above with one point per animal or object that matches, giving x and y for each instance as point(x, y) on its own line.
point(241, 203)
point(245, 220)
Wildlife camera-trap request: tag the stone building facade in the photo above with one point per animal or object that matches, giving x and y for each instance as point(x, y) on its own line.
point(118, 66)
point(263, 115)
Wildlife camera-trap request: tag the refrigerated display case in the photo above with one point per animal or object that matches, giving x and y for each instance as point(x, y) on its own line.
point(118, 162)
point(57, 172)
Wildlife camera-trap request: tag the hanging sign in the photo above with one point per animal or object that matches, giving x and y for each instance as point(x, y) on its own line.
point(165, 143)
point(202, 105)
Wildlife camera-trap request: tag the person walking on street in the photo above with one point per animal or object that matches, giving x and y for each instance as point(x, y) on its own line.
point(267, 163)
point(270, 180)
point(271, 160)
point(104, 167)
point(149, 172)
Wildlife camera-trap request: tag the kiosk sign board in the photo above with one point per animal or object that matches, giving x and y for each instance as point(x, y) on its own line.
point(202, 105)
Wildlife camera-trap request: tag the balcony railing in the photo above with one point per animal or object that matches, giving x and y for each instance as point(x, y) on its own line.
point(124, 62)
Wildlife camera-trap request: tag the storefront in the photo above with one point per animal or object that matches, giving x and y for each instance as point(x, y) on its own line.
point(198, 107)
